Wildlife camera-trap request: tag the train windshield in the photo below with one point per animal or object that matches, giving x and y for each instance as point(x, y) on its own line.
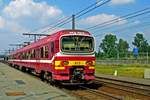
point(77, 44)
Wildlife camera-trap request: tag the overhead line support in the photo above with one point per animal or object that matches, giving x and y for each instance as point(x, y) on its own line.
point(73, 22)
point(35, 35)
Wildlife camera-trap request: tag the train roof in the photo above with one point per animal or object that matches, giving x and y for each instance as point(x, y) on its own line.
point(51, 37)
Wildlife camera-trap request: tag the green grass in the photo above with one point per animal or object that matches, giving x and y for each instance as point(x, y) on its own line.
point(134, 70)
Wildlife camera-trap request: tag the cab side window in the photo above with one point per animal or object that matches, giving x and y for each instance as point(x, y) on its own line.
point(52, 47)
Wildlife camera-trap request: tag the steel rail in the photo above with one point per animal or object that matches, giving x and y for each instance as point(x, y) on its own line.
point(99, 93)
point(127, 86)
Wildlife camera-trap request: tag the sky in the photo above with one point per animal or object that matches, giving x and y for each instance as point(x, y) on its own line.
point(21, 16)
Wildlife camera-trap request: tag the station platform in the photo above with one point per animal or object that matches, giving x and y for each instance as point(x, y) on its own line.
point(16, 85)
point(128, 79)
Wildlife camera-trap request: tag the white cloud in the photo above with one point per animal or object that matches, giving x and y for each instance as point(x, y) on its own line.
point(101, 18)
point(10, 26)
point(15, 27)
point(2, 22)
point(22, 8)
point(121, 2)
point(20, 15)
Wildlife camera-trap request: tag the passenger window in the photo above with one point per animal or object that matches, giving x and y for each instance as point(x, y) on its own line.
point(46, 51)
point(26, 55)
point(29, 54)
point(34, 53)
point(42, 52)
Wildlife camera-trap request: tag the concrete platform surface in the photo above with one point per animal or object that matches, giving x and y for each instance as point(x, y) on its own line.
point(16, 85)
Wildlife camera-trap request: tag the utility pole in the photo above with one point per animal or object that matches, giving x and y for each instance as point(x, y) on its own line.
point(35, 35)
point(73, 22)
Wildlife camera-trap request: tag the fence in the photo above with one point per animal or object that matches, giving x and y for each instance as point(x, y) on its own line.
point(129, 58)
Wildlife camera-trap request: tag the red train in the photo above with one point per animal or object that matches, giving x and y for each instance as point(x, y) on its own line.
point(67, 56)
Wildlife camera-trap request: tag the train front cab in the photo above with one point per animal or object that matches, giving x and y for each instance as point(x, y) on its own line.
point(75, 63)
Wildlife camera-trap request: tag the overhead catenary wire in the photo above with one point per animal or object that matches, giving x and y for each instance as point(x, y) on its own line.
point(80, 13)
point(59, 24)
point(92, 5)
point(61, 20)
point(146, 24)
point(116, 20)
point(131, 27)
point(105, 27)
point(128, 16)
point(100, 3)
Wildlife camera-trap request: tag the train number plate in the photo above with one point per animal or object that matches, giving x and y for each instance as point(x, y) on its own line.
point(77, 63)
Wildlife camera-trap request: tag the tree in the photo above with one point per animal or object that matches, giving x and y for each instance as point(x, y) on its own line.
point(149, 50)
point(122, 47)
point(109, 45)
point(100, 54)
point(140, 42)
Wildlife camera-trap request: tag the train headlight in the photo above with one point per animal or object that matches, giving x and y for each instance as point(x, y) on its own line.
point(58, 65)
point(65, 63)
point(89, 63)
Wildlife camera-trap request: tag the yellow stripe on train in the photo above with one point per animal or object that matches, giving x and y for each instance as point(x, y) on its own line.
point(59, 68)
point(73, 63)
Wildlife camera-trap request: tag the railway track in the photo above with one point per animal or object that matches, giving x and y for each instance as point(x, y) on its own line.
point(94, 91)
point(130, 87)
point(101, 93)
point(81, 92)
point(85, 92)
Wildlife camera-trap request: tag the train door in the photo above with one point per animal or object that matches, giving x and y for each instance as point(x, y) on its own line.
point(51, 56)
point(52, 48)
point(37, 66)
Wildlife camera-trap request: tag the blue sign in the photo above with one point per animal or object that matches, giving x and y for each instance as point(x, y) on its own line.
point(135, 51)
